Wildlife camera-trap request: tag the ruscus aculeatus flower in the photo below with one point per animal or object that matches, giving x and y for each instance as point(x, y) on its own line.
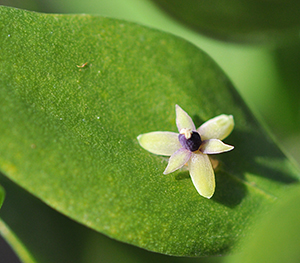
point(191, 146)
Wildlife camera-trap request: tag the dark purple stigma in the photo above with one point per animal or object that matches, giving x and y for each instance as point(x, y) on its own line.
point(193, 143)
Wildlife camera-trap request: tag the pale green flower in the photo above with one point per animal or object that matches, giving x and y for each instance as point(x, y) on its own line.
point(191, 147)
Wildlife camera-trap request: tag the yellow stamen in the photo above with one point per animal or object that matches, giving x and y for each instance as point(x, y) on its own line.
point(187, 133)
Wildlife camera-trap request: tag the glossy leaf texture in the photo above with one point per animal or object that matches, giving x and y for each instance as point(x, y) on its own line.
point(76, 91)
point(259, 21)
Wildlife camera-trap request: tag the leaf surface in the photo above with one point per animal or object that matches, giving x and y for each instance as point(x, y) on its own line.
point(76, 91)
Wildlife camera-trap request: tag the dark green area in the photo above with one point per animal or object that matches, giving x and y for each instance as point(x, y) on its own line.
point(2, 195)
point(258, 21)
point(32, 5)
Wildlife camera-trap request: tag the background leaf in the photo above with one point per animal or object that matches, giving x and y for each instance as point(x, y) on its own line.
point(275, 22)
point(33, 5)
point(2, 195)
point(276, 238)
point(69, 132)
point(15, 242)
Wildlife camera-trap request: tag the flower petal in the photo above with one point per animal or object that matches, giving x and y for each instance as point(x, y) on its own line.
point(161, 143)
point(202, 174)
point(183, 120)
point(217, 128)
point(214, 146)
point(177, 160)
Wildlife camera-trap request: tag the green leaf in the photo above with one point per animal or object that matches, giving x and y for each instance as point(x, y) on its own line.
point(10, 236)
point(277, 237)
point(258, 21)
point(15, 242)
point(32, 5)
point(2, 195)
point(52, 237)
point(76, 92)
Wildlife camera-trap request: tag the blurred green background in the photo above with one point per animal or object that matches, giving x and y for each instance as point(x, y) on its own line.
point(266, 77)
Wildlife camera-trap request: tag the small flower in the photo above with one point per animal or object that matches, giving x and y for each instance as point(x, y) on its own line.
point(192, 146)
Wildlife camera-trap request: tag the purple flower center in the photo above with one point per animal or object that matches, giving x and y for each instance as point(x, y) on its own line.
point(193, 143)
